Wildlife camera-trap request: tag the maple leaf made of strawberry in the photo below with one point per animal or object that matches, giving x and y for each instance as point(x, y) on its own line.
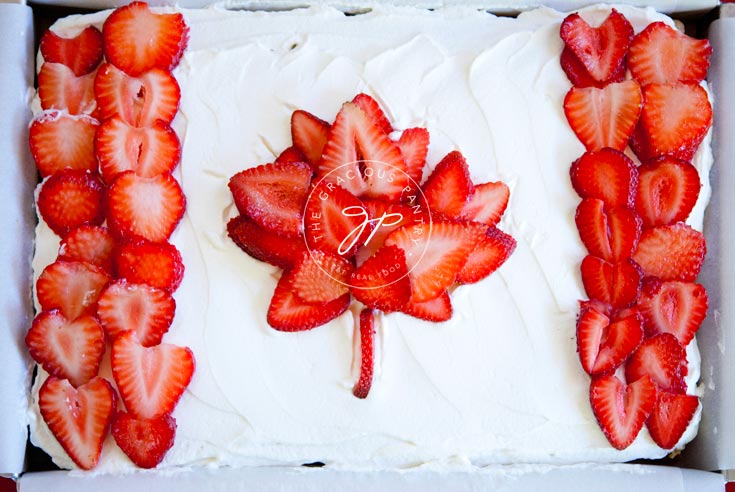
point(347, 214)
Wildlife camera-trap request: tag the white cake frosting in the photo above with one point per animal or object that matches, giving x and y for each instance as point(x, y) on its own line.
point(499, 383)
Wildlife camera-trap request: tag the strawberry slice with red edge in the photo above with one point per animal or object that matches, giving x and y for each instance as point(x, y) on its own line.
point(662, 55)
point(138, 40)
point(382, 282)
point(264, 245)
point(287, 312)
point(620, 409)
point(92, 244)
point(145, 310)
point(436, 310)
point(67, 349)
point(617, 284)
point(78, 418)
point(60, 141)
point(609, 234)
point(386, 217)
point(601, 50)
point(148, 208)
point(670, 418)
point(144, 441)
point(367, 354)
point(321, 277)
point(674, 252)
point(373, 110)
point(150, 379)
point(487, 203)
point(608, 175)
point(291, 154)
point(448, 188)
point(491, 251)
point(81, 54)
point(309, 135)
point(273, 195)
point(139, 101)
point(673, 307)
point(144, 262)
point(668, 188)
point(71, 198)
point(604, 117)
point(59, 88)
point(71, 286)
point(335, 220)
point(604, 344)
point(414, 145)
point(579, 76)
point(149, 151)
point(662, 358)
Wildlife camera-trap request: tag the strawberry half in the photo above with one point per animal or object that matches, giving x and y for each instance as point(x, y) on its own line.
point(150, 379)
point(309, 135)
point(662, 55)
point(579, 76)
point(81, 54)
point(490, 252)
point(138, 40)
point(662, 358)
point(287, 312)
point(335, 220)
point(620, 409)
point(604, 117)
point(670, 418)
point(382, 282)
point(59, 88)
point(674, 252)
point(78, 418)
point(487, 203)
point(414, 145)
point(67, 349)
point(673, 307)
point(273, 195)
point(604, 345)
point(608, 175)
point(436, 310)
point(156, 264)
point(149, 151)
point(373, 111)
point(70, 199)
point(139, 101)
point(71, 286)
point(60, 141)
point(601, 50)
point(448, 188)
point(617, 284)
point(321, 277)
point(668, 188)
point(261, 244)
point(144, 441)
point(367, 354)
point(145, 310)
point(92, 244)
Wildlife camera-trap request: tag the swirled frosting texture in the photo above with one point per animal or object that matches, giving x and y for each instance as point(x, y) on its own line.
point(500, 382)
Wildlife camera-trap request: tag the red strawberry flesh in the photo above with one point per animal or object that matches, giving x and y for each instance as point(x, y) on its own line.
point(144, 441)
point(81, 54)
point(59, 141)
point(367, 354)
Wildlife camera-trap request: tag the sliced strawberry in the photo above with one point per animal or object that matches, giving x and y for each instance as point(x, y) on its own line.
point(78, 418)
point(138, 40)
point(321, 277)
point(140, 101)
point(287, 312)
point(93, 244)
point(662, 55)
point(291, 154)
point(367, 354)
point(625, 232)
point(335, 220)
point(386, 217)
point(674, 120)
point(265, 245)
point(673, 307)
point(608, 175)
point(490, 252)
point(70, 199)
point(145, 310)
point(603, 345)
point(273, 195)
point(604, 117)
point(414, 145)
point(67, 349)
point(148, 208)
point(382, 282)
point(144, 441)
point(156, 264)
point(671, 417)
point(448, 188)
point(662, 358)
point(81, 54)
point(148, 151)
point(309, 135)
point(601, 50)
point(593, 228)
point(674, 252)
point(667, 191)
point(59, 88)
point(603, 308)
point(435, 254)
point(361, 158)
point(59, 141)
point(620, 409)
point(617, 284)
point(150, 379)
point(579, 76)
point(437, 310)
point(71, 286)
point(487, 203)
